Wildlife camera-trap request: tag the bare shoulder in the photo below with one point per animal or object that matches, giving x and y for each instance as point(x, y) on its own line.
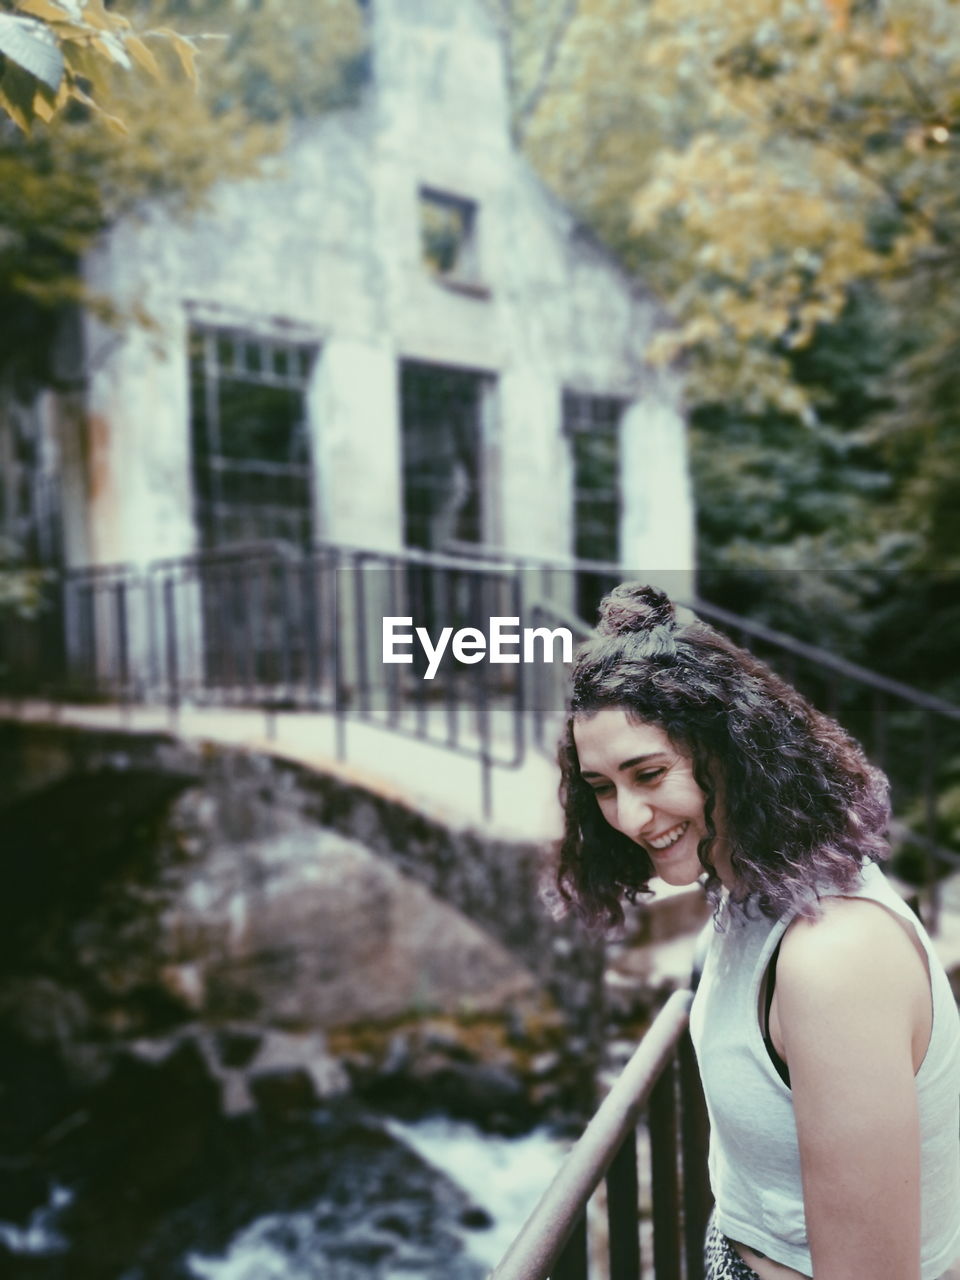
point(846, 929)
point(853, 947)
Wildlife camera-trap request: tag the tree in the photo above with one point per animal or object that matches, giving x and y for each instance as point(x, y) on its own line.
point(54, 52)
point(64, 182)
point(784, 176)
point(773, 154)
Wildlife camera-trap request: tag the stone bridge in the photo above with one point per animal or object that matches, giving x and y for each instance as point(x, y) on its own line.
point(229, 882)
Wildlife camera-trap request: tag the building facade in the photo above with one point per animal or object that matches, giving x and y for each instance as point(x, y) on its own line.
point(395, 339)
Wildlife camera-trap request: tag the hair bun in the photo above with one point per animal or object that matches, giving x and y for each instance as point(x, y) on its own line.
point(634, 607)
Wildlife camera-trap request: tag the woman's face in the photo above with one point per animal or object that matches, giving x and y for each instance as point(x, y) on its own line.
point(645, 789)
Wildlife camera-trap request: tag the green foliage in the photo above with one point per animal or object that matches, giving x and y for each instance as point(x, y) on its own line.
point(21, 587)
point(55, 52)
point(910, 861)
point(785, 175)
point(274, 59)
point(63, 184)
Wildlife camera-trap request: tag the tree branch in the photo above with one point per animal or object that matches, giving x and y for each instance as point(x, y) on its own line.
point(527, 108)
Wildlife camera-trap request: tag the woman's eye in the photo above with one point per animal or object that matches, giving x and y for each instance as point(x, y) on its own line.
point(650, 775)
point(604, 789)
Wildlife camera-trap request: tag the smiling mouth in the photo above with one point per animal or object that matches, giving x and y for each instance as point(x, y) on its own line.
point(668, 838)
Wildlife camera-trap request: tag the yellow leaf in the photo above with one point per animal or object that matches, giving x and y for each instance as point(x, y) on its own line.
point(184, 49)
point(112, 49)
point(14, 111)
point(113, 123)
point(139, 51)
point(43, 109)
point(43, 9)
point(97, 15)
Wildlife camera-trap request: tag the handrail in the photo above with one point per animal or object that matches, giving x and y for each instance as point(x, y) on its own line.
point(277, 627)
point(758, 630)
point(540, 1241)
point(824, 658)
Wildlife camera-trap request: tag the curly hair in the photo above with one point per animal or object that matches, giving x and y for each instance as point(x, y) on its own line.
point(802, 807)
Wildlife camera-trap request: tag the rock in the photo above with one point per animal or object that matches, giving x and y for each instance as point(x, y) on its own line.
point(152, 1050)
point(22, 1188)
point(236, 1046)
point(155, 1107)
point(236, 1098)
point(309, 928)
point(151, 1126)
point(37, 1093)
point(42, 1011)
point(284, 1052)
point(185, 984)
point(476, 1219)
point(399, 1055)
point(445, 1040)
point(545, 1064)
point(476, 1092)
point(493, 1097)
point(395, 1224)
point(284, 1092)
point(53, 866)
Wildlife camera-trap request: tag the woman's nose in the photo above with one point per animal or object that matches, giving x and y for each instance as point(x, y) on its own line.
point(633, 814)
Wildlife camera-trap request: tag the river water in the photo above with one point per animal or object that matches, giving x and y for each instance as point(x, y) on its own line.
point(471, 1192)
point(506, 1176)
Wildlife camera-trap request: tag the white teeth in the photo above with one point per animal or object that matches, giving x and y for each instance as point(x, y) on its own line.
point(669, 837)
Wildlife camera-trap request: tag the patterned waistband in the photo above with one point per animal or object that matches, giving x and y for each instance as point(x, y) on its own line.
point(721, 1260)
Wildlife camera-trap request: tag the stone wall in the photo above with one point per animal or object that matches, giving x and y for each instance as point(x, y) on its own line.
point(241, 886)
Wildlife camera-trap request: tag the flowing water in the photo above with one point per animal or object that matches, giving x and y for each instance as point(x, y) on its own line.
point(433, 1199)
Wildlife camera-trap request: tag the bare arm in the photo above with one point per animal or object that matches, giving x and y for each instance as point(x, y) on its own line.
point(852, 1005)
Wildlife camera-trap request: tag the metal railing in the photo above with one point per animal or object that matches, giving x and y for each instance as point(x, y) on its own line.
point(662, 1081)
point(277, 628)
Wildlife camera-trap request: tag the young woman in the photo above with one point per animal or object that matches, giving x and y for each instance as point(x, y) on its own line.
point(826, 1032)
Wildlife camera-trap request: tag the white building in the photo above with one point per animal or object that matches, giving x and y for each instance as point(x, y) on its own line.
point(398, 339)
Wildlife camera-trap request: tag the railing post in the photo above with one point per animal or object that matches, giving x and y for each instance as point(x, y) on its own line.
point(561, 1208)
point(623, 1211)
point(308, 597)
point(341, 589)
point(572, 1263)
point(519, 686)
point(879, 728)
point(449, 593)
point(360, 644)
point(930, 820)
point(662, 1116)
point(694, 1139)
point(122, 639)
point(482, 708)
point(394, 693)
point(170, 639)
point(245, 585)
point(289, 615)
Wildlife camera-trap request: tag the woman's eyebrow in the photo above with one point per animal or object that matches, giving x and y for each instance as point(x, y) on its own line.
point(626, 764)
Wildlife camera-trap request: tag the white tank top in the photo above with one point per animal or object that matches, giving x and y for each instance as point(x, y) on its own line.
point(754, 1156)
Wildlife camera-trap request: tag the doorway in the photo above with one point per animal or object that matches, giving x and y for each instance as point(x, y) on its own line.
point(444, 499)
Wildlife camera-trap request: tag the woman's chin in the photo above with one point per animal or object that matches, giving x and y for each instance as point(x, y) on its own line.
point(681, 870)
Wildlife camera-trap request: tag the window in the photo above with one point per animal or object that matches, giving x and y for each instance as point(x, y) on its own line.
point(448, 236)
point(29, 493)
point(251, 452)
point(592, 424)
point(441, 419)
